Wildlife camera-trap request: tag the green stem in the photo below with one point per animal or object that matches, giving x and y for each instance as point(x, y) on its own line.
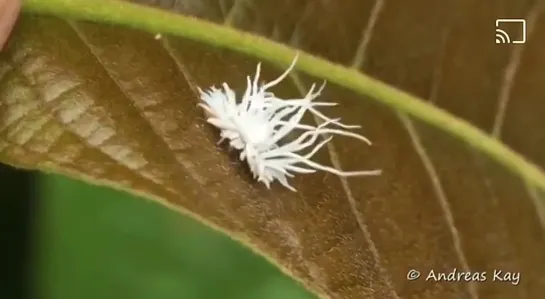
point(159, 21)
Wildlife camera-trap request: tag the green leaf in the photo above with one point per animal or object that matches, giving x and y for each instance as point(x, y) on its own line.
point(99, 243)
point(115, 106)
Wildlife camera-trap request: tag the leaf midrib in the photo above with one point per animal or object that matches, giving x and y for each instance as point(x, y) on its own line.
point(156, 20)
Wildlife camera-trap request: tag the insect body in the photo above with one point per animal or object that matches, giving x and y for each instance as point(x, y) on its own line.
point(260, 122)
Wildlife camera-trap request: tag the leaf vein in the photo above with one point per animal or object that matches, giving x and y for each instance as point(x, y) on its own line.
point(359, 57)
point(441, 196)
point(352, 202)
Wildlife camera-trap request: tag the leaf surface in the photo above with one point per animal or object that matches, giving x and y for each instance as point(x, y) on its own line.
point(116, 106)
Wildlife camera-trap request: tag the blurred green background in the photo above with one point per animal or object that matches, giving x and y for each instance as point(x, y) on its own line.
point(100, 243)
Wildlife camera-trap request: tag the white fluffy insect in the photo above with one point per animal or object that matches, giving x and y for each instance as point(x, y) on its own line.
point(259, 123)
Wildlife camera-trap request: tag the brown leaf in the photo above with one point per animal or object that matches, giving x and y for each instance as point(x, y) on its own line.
point(117, 107)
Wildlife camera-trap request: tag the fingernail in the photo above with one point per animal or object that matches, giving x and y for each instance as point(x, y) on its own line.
point(9, 10)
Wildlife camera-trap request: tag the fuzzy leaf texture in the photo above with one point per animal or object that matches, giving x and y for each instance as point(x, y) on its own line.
point(115, 106)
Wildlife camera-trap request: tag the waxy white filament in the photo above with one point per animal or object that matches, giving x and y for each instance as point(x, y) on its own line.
point(258, 124)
